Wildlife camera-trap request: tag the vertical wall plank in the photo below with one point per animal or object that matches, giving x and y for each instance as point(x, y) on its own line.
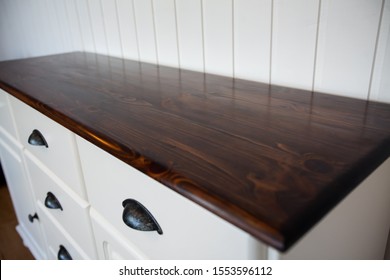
point(166, 34)
point(380, 84)
point(252, 36)
point(190, 34)
point(346, 46)
point(28, 27)
point(145, 30)
point(85, 25)
point(42, 28)
point(97, 23)
point(54, 33)
point(62, 19)
point(218, 36)
point(12, 42)
point(112, 28)
point(74, 25)
point(127, 29)
point(294, 42)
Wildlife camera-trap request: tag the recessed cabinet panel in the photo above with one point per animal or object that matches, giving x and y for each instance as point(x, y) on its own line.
point(62, 203)
point(188, 231)
point(60, 154)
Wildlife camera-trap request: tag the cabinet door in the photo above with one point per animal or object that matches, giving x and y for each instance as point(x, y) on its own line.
point(111, 245)
point(22, 198)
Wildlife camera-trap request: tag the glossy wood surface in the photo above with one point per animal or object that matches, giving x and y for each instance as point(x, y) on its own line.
point(271, 160)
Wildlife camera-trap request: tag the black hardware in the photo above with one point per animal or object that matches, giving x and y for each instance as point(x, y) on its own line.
point(36, 138)
point(52, 202)
point(32, 217)
point(63, 254)
point(136, 216)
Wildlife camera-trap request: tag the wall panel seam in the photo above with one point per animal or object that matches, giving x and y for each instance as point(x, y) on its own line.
point(271, 42)
point(375, 51)
point(203, 46)
point(90, 25)
point(104, 27)
point(233, 45)
point(136, 30)
point(177, 35)
point(155, 32)
point(119, 27)
point(316, 45)
point(79, 24)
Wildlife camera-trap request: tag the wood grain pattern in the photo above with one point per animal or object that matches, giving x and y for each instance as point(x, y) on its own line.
point(272, 160)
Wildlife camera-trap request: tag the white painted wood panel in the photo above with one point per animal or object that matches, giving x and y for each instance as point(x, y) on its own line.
point(61, 16)
point(346, 46)
point(110, 17)
point(190, 34)
point(97, 24)
point(252, 39)
point(85, 25)
point(229, 37)
point(166, 32)
point(40, 28)
point(74, 25)
point(145, 30)
point(7, 29)
point(380, 84)
point(54, 32)
point(218, 36)
point(294, 42)
point(128, 30)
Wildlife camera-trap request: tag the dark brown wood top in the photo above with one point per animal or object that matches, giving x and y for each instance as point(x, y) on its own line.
point(272, 160)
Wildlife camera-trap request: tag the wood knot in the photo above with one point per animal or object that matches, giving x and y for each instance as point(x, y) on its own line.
point(318, 166)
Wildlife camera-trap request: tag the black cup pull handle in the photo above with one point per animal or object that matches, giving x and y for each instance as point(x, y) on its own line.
point(52, 202)
point(31, 218)
point(36, 139)
point(136, 216)
point(63, 254)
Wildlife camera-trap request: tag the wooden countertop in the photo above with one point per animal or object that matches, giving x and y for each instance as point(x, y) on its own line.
point(272, 160)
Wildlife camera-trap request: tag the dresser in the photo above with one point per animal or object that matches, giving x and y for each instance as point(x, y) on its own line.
point(108, 158)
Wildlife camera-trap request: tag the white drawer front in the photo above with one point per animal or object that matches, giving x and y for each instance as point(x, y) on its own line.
point(57, 236)
point(61, 155)
point(72, 212)
point(6, 122)
point(189, 231)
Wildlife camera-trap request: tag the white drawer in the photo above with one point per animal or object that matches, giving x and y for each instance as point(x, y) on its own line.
point(189, 231)
point(56, 236)
point(61, 155)
point(62, 203)
point(6, 122)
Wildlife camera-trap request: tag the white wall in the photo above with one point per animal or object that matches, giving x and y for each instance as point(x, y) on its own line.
point(335, 46)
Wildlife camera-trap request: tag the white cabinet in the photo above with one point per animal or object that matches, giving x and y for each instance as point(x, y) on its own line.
point(45, 181)
point(11, 158)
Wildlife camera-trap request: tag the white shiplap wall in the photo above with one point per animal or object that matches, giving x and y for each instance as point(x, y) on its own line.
point(335, 46)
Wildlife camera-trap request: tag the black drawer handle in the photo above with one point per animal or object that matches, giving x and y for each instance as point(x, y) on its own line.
point(31, 218)
point(136, 216)
point(36, 139)
point(63, 254)
point(52, 202)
